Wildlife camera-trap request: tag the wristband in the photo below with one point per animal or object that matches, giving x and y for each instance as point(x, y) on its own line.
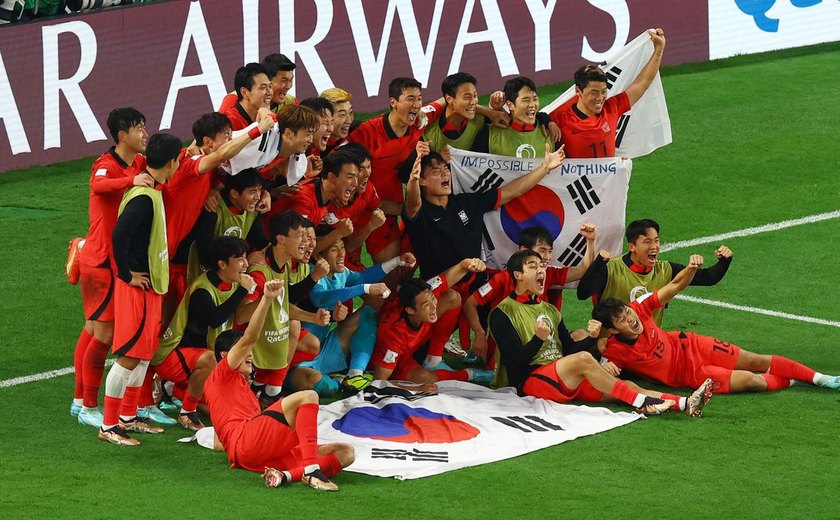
point(391, 264)
point(254, 133)
point(366, 288)
point(252, 289)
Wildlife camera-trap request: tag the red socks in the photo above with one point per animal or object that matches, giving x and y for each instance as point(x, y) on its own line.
point(624, 393)
point(128, 408)
point(674, 398)
point(93, 366)
point(147, 390)
point(306, 427)
point(189, 403)
point(457, 375)
point(776, 382)
point(111, 414)
point(789, 369)
point(78, 362)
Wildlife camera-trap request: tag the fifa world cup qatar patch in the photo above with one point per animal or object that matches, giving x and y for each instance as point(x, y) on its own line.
point(485, 289)
point(390, 357)
point(435, 282)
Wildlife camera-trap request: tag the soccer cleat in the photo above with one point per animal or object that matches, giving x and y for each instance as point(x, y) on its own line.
point(471, 359)
point(355, 384)
point(274, 478)
point(154, 414)
point(655, 406)
point(453, 346)
point(117, 435)
point(478, 375)
point(137, 425)
point(830, 382)
point(75, 409)
point(440, 366)
point(697, 400)
point(317, 480)
point(190, 421)
point(91, 417)
point(71, 268)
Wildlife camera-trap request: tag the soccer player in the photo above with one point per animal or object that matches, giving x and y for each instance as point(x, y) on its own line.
point(285, 435)
point(589, 121)
point(679, 359)
point(391, 138)
point(362, 210)
point(281, 74)
point(120, 168)
point(537, 355)
point(325, 110)
point(206, 310)
point(342, 115)
point(142, 264)
point(527, 134)
point(355, 335)
point(297, 126)
point(463, 118)
point(253, 92)
point(501, 284)
point(640, 270)
point(273, 353)
point(444, 228)
point(407, 324)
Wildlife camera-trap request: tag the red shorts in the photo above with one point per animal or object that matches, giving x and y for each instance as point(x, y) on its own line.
point(177, 282)
point(546, 384)
point(179, 364)
point(707, 357)
point(137, 324)
point(384, 235)
point(97, 292)
point(267, 441)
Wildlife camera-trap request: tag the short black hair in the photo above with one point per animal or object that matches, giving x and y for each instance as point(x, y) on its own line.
point(209, 125)
point(531, 236)
point(426, 161)
point(357, 149)
point(322, 230)
point(308, 223)
point(274, 63)
point(398, 85)
point(223, 248)
point(318, 104)
point(161, 149)
point(607, 310)
point(517, 260)
point(335, 161)
point(410, 289)
point(282, 223)
point(589, 73)
point(450, 84)
point(225, 341)
point(247, 178)
point(639, 228)
point(123, 119)
point(244, 77)
point(514, 85)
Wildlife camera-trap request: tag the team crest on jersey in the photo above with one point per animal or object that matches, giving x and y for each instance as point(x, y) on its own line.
point(233, 231)
point(605, 127)
point(526, 151)
point(464, 218)
point(639, 293)
point(435, 282)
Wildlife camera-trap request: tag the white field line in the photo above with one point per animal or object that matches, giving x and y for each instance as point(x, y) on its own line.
point(751, 231)
point(667, 247)
point(756, 310)
point(43, 375)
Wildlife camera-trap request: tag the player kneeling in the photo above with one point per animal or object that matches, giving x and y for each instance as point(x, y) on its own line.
point(285, 435)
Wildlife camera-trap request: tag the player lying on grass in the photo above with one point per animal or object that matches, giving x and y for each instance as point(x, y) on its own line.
point(285, 435)
point(537, 355)
point(682, 359)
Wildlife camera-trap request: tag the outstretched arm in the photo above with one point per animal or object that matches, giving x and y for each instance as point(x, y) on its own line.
point(213, 160)
point(413, 198)
point(681, 281)
point(590, 234)
point(640, 85)
point(459, 270)
point(524, 183)
point(246, 343)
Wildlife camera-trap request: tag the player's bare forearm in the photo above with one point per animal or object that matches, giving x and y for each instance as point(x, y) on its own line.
point(640, 85)
point(681, 281)
point(519, 186)
point(413, 200)
point(391, 207)
point(471, 313)
point(245, 345)
point(327, 240)
point(245, 311)
point(296, 313)
point(577, 272)
point(382, 372)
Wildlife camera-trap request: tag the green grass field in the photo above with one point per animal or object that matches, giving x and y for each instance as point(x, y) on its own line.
point(755, 142)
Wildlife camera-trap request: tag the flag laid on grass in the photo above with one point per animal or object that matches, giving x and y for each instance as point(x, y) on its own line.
point(646, 126)
point(579, 191)
point(406, 435)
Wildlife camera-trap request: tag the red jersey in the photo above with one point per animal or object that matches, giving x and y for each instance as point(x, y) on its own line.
point(389, 153)
point(308, 201)
point(231, 403)
point(110, 177)
point(183, 197)
point(656, 354)
point(358, 211)
point(589, 137)
point(396, 337)
point(239, 119)
point(501, 285)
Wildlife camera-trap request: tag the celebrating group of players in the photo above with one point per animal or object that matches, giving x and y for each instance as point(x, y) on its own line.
point(227, 273)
